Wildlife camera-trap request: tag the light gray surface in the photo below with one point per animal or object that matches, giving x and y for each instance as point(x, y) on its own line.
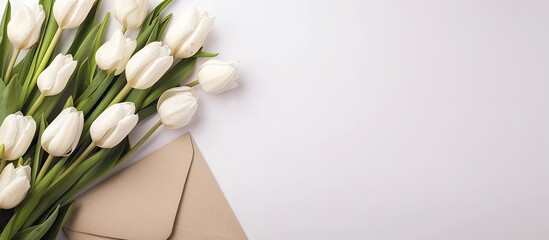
point(384, 120)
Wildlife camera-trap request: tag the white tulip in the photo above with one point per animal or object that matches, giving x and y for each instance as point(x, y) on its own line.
point(25, 26)
point(16, 133)
point(113, 125)
point(216, 76)
point(186, 36)
point(14, 185)
point(146, 66)
point(54, 78)
point(131, 13)
point(61, 137)
point(71, 13)
point(177, 106)
point(114, 54)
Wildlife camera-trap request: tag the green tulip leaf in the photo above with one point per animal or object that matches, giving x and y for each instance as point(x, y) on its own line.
point(60, 186)
point(4, 41)
point(99, 91)
point(144, 37)
point(84, 29)
point(164, 24)
point(9, 99)
point(155, 13)
point(146, 112)
point(64, 214)
point(38, 152)
point(93, 85)
point(116, 87)
point(154, 33)
point(38, 231)
point(97, 171)
point(48, 31)
point(137, 96)
point(84, 51)
point(93, 92)
point(98, 42)
point(82, 78)
point(23, 67)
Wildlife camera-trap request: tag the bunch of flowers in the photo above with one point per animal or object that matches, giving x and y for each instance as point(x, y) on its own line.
point(66, 117)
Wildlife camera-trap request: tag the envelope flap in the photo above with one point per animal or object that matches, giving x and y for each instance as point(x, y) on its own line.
point(132, 212)
point(204, 213)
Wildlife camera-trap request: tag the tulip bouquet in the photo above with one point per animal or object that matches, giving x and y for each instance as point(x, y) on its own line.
point(65, 114)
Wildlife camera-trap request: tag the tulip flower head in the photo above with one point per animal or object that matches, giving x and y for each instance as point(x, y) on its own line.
point(114, 54)
point(61, 137)
point(25, 26)
point(71, 13)
point(113, 125)
point(14, 185)
point(16, 133)
point(187, 35)
point(216, 76)
point(131, 13)
point(146, 66)
point(176, 107)
point(55, 77)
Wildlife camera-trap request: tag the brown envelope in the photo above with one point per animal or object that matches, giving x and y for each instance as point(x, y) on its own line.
point(171, 194)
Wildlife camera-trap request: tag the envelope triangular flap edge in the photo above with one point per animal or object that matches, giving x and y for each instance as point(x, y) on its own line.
point(204, 213)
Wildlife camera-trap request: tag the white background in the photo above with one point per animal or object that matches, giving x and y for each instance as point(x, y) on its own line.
point(380, 119)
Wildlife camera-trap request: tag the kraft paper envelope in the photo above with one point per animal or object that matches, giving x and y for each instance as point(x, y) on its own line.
point(171, 194)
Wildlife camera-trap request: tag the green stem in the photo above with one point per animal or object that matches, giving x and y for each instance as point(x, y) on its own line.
point(36, 105)
point(45, 60)
point(44, 168)
point(202, 54)
point(3, 163)
point(193, 83)
point(121, 95)
point(140, 143)
point(124, 29)
point(77, 162)
point(10, 65)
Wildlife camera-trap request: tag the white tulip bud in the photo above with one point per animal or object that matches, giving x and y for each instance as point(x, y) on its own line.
point(25, 26)
point(61, 137)
point(146, 66)
point(131, 13)
point(113, 125)
point(186, 36)
point(114, 54)
point(177, 106)
point(54, 78)
point(71, 13)
point(14, 185)
point(216, 76)
point(16, 133)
